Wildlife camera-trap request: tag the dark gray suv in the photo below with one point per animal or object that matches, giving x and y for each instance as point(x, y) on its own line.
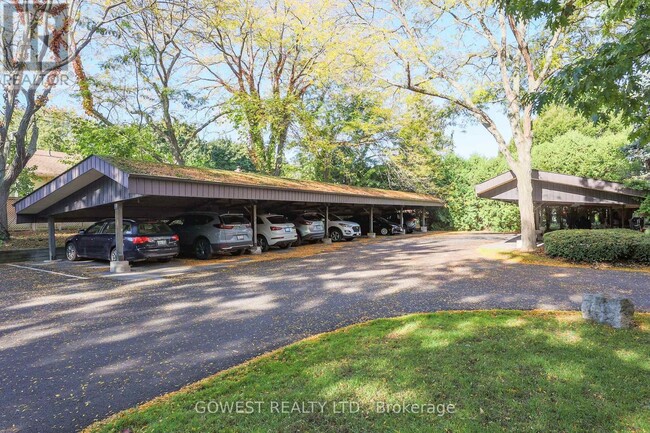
point(205, 233)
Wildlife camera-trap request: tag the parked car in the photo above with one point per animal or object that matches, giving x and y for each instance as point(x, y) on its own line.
point(309, 227)
point(143, 240)
point(411, 222)
point(637, 223)
point(275, 230)
point(205, 233)
point(380, 225)
point(339, 228)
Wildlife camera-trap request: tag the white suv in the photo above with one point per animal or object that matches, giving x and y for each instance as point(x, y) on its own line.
point(340, 229)
point(275, 230)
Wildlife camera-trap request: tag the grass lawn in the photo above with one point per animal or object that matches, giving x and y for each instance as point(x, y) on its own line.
point(502, 370)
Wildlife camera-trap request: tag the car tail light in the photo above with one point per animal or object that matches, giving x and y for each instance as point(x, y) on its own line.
point(223, 226)
point(175, 238)
point(138, 240)
point(276, 228)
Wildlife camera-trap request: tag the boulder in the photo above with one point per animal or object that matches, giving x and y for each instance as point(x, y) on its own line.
point(615, 312)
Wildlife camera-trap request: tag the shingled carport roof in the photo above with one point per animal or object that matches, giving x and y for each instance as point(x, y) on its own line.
point(562, 189)
point(89, 189)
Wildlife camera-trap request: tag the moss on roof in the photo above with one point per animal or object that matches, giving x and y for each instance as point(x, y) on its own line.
point(209, 175)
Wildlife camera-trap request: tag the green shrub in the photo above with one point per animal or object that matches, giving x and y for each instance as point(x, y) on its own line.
point(642, 249)
point(598, 245)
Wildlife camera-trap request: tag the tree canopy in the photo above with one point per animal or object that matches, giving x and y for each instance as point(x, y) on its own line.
point(362, 93)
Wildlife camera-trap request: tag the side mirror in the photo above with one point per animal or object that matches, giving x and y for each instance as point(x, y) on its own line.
point(82, 232)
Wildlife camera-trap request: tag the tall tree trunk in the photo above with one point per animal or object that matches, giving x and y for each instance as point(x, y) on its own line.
point(526, 207)
point(4, 218)
point(256, 148)
point(282, 142)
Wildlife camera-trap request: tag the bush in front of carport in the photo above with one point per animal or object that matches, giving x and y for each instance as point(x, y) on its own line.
point(611, 245)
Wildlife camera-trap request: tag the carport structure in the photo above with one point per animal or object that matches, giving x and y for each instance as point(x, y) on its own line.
point(569, 196)
point(101, 187)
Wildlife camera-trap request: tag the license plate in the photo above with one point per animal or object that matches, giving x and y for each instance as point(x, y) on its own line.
point(240, 237)
point(161, 243)
point(287, 229)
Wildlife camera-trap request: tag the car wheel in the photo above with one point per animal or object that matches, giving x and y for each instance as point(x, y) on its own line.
point(298, 241)
point(71, 252)
point(285, 246)
point(237, 252)
point(113, 256)
point(336, 235)
point(264, 245)
point(383, 231)
point(202, 249)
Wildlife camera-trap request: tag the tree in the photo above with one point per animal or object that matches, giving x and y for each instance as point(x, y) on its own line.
point(155, 86)
point(223, 154)
point(464, 210)
point(342, 135)
point(420, 145)
point(267, 55)
point(612, 78)
point(34, 65)
point(80, 136)
point(567, 142)
point(479, 57)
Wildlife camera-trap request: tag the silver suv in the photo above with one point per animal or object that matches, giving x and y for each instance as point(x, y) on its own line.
point(310, 227)
point(204, 233)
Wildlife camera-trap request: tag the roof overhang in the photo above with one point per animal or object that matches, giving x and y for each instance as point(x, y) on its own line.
point(562, 189)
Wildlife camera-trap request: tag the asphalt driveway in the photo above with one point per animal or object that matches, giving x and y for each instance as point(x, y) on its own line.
point(74, 350)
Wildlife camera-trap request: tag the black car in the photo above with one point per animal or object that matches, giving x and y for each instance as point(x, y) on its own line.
point(380, 225)
point(143, 240)
point(411, 222)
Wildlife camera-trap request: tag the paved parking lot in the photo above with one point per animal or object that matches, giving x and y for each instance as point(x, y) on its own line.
point(76, 345)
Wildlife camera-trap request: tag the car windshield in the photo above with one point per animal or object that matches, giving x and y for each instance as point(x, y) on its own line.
point(313, 217)
point(277, 219)
point(335, 217)
point(154, 228)
point(233, 219)
point(384, 220)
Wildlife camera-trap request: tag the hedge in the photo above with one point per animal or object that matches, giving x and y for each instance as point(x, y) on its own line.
point(611, 245)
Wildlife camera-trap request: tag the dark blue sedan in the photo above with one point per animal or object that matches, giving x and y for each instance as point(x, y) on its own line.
point(143, 240)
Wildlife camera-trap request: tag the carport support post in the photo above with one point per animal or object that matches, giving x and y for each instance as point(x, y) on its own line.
point(256, 248)
point(326, 238)
point(120, 266)
point(371, 232)
point(327, 217)
point(51, 238)
point(254, 218)
point(401, 218)
point(423, 226)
